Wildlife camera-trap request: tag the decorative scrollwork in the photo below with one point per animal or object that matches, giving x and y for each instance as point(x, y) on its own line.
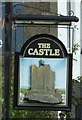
point(71, 13)
point(18, 11)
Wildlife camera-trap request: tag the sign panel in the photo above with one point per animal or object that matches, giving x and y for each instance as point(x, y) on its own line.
point(43, 75)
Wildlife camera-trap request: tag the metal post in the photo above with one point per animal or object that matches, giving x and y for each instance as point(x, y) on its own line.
point(7, 60)
point(0, 63)
point(81, 40)
point(68, 33)
point(81, 55)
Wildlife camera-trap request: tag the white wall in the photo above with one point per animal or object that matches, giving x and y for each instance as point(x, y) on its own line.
point(62, 33)
point(76, 64)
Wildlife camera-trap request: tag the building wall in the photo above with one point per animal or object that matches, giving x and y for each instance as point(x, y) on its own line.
point(40, 8)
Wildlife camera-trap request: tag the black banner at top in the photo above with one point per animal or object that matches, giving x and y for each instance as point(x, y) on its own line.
point(44, 45)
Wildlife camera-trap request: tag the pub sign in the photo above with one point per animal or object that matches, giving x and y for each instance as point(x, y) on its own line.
point(43, 75)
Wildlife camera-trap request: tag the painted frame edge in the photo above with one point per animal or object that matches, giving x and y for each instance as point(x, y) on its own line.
point(17, 107)
point(16, 60)
point(70, 80)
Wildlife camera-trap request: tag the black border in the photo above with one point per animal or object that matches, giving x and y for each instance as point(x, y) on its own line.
point(42, 36)
point(16, 75)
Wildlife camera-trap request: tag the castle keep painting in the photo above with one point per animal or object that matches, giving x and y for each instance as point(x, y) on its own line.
point(43, 81)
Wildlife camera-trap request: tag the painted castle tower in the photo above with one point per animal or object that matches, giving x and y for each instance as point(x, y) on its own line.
point(42, 77)
point(43, 85)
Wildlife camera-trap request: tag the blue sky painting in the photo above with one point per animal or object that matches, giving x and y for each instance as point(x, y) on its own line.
point(59, 66)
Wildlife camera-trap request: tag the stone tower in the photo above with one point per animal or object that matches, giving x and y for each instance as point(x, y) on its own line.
point(42, 77)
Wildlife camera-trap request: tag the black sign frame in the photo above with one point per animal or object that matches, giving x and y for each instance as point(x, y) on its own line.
point(20, 54)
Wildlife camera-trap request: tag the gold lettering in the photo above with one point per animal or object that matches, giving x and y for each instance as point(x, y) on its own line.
point(40, 44)
point(57, 52)
point(35, 52)
point(44, 45)
point(30, 51)
point(48, 45)
point(41, 52)
point(46, 51)
point(51, 54)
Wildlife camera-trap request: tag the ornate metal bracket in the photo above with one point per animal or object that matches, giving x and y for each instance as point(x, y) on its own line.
point(18, 11)
point(71, 13)
point(15, 10)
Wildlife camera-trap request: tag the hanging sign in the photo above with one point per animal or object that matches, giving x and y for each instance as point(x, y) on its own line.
point(43, 75)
